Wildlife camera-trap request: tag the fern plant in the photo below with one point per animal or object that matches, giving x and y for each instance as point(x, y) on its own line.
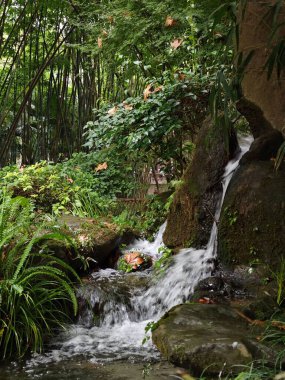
point(36, 288)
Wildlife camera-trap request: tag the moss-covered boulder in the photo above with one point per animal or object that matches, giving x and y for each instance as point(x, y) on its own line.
point(252, 223)
point(193, 208)
point(203, 338)
point(96, 242)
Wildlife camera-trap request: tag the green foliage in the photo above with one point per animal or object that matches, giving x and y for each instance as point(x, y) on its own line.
point(134, 34)
point(43, 183)
point(153, 217)
point(150, 327)
point(280, 156)
point(117, 180)
point(255, 371)
point(274, 335)
point(279, 276)
point(129, 218)
point(164, 261)
point(88, 205)
point(36, 289)
point(154, 129)
point(124, 266)
point(144, 218)
point(232, 216)
point(64, 187)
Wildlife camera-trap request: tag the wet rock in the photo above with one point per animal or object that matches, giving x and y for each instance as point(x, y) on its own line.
point(264, 148)
point(246, 287)
point(80, 368)
point(133, 261)
point(252, 223)
point(96, 242)
point(191, 213)
point(254, 35)
point(258, 124)
point(107, 294)
point(202, 338)
point(220, 288)
point(261, 308)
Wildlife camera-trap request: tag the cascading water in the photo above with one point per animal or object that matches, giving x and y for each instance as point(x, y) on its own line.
point(125, 303)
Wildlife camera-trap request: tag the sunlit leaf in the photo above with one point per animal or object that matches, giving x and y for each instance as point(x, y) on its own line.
point(101, 167)
point(169, 22)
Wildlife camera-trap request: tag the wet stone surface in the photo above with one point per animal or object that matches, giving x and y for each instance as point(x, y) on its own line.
point(206, 338)
point(108, 294)
point(87, 370)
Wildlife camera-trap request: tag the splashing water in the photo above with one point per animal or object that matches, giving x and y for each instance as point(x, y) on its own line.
point(147, 247)
point(125, 308)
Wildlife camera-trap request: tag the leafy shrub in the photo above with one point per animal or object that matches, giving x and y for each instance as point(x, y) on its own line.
point(123, 266)
point(144, 218)
point(55, 188)
point(118, 179)
point(45, 184)
point(36, 289)
point(164, 261)
point(151, 129)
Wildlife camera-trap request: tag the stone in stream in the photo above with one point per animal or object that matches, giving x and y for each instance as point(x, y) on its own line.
point(210, 338)
point(134, 261)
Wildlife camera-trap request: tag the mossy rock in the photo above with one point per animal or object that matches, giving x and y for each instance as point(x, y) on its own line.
point(96, 242)
point(202, 338)
point(252, 223)
point(190, 217)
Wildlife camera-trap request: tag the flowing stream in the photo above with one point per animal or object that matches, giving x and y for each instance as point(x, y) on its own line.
point(115, 309)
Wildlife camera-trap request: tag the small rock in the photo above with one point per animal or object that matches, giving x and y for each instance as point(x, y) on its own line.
point(134, 260)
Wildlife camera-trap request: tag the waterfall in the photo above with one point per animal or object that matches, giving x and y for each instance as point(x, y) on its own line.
point(125, 308)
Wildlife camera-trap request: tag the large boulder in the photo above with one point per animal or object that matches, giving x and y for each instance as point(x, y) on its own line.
point(193, 208)
point(96, 242)
point(256, 27)
point(264, 147)
point(202, 338)
point(252, 223)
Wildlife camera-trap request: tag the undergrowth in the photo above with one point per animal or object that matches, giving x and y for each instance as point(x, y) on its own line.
point(36, 287)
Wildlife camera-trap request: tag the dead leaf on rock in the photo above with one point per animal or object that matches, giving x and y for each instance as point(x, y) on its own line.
point(205, 300)
point(101, 167)
point(134, 259)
